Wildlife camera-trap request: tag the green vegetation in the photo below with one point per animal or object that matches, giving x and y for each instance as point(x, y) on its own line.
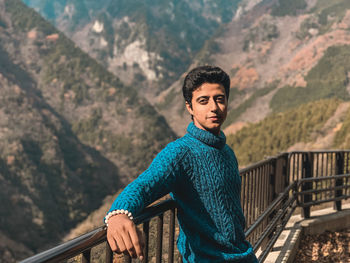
point(167, 100)
point(234, 93)
point(78, 71)
point(327, 79)
point(342, 137)
point(210, 47)
point(323, 16)
point(306, 25)
point(265, 31)
point(330, 15)
point(90, 130)
point(323, 4)
point(64, 61)
point(235, 113)
point(333, 10)
point(177, 30)
point(287, 7)
point(87, 129)
point(25, 21)
point(58, 157)
point(279, 131)
point(57, 65)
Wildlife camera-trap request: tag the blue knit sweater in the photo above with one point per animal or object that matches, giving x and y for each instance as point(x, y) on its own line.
point(200, 171)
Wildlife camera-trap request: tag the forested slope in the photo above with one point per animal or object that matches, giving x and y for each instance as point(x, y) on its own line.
point(70, 132)
point(279, 131)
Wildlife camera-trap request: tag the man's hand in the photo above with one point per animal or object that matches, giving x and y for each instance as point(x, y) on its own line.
point(124, 237)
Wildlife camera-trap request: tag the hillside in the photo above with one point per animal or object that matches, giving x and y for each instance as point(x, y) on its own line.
point(71, 133)
point(148, 44)
point(278, 56)
point(319, 125)
point(65, 117)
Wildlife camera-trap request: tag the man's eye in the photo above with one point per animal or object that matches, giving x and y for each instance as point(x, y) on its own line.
point(220, 99)
point(202, 101)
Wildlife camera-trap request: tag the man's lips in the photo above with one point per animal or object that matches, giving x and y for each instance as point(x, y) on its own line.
point(214, 117)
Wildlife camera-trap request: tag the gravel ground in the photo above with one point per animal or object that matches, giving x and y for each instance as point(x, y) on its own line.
point(329, 247)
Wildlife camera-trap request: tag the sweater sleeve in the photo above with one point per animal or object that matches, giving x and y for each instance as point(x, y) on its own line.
point(153, 183)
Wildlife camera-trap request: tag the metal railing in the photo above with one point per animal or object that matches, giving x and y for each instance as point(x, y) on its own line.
point(271, 190)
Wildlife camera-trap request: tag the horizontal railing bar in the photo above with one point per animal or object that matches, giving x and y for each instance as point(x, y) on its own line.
point(259, 164)
point(270, 244)
point(314, 179)
point(70, 248)
point(80, 244)
point(320, 151)
point(339, 198)
point(316, 191)
point(269, 210)
point(272, 158)
point(272, 223)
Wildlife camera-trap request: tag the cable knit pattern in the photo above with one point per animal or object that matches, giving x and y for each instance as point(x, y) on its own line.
point(201, 174)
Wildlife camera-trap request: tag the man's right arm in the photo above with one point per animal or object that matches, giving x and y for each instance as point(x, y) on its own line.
point(155, 182)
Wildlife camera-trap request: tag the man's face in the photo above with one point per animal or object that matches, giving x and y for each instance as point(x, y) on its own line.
point(209, 107)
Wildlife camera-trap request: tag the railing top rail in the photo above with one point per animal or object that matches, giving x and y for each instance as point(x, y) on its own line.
point(71, 247)
point(95, 237)
point(319, 151)
point(272, 158)
point(323, 178)
point(261, 163)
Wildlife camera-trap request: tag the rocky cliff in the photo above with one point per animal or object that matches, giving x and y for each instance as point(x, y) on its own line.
point(70, 132)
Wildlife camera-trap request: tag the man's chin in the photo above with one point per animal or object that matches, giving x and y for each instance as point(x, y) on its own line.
point(214, 128)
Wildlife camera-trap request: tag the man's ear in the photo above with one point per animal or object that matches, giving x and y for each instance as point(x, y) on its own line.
point(189, 108)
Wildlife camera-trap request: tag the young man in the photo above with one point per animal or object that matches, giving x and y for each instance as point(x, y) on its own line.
point(201, 174)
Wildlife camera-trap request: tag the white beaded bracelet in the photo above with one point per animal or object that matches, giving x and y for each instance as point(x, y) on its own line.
point(117, 212)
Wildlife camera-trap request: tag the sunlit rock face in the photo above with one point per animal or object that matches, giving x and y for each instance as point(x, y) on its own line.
point(146, 44)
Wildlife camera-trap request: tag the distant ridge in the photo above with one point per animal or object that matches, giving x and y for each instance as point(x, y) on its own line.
point(70, 132)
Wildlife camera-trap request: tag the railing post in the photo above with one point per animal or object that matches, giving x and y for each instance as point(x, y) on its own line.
point(159, 239)
point(171, 236)
point(284, 175)
point(272, 195)
point(285, 170)
point(339, 182)
point(273, 175)
point(307, 172)
point(109, 253)
point(86, 256)
point(146, 232)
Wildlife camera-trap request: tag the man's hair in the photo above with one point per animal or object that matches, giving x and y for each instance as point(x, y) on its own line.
point(204, 74)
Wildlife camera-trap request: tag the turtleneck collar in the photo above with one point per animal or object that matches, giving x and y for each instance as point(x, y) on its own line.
point(206, 136)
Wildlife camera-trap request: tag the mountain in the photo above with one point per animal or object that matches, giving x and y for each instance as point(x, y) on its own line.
point(148, 44)
point(71, 133)
point(311, 126)
point(278, 55)
point(288, 61)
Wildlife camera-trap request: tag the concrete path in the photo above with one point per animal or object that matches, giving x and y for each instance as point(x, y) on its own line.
point(287, 245)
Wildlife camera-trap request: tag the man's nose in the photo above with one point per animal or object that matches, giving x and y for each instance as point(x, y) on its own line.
point(213, 105)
